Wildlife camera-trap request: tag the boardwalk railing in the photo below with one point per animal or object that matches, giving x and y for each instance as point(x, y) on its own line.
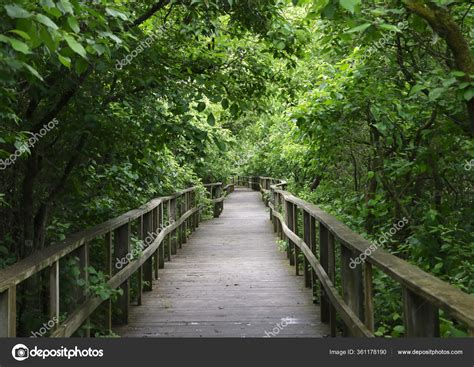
point(423, 294)
point(163, 224)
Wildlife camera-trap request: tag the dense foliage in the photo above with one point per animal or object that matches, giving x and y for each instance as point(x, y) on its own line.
point(366, 107)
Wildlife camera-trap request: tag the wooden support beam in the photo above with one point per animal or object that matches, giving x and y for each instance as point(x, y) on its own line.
point(296, 248)
point(421, 318)
point(54, 293)
point(324, 260)
point(352, 284)
point(174, 234)
point(121, 249)
point(8, 312)
point(160, 253)
point(290, 250)
point(307, 240)
point(368, 297)
point(109, 272)
point(147, 235)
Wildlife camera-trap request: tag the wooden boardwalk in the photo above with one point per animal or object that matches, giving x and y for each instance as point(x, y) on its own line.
point(229, 280)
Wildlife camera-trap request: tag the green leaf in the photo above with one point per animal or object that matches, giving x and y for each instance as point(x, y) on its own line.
point(75, 46)
point(33, 71)
point(65, 7)
point(350, 5)
point(469, 94)
point(66, 61)
point(225, 103)
point(17, 45)
point(16, 11)
point(436, 93)
point(359, 28)
point(73, 24)
point(211, 120)
point(22, 34)
point(201, 106)
point(43, 19)
point(116, 14)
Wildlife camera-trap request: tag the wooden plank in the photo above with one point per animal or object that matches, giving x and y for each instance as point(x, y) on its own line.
point(82, 292)
point(352, 321)
point(161, 250)
point(324, 260)
point(314, 251)
point(109, 272)
point(420, 317)
point(174, 234)
point(54, 292)
point(121, 249)
point(8, 312)
point(228, 286)
point(289, 222)
point(81, 313)
point(307, 240)
point(352, 283)
point(147, 235)
point(441, 294)
point(296, 248)
point(332, 275)
point(368, 297)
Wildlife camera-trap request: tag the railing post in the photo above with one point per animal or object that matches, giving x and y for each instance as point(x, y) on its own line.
point(147, 234)
point(289, 222)
point(83, 255)
point(184, 226)
point(307, 241)
point(54, 292)
point(121, 249)
point(8, 312)
point(420, 317)
point(109, 272)
point(368, 297)
point(332, 275)
point(324, 260)
point(170, 235)
point(160, 253)
point(314, 250)
point(352, 285)
point(174, 233)
point(296, 248)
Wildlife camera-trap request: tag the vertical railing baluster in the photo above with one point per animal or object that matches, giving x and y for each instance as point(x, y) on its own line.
point(174, 233)
point(54, 293)
point(160, 253)
point(8, 312)
point(332, 275)
point(368, 297)
point(324, 260)
point(307, 241)
point(109, 272)
point(296, 248)
point(121, 249)
point(147, 236)
point(420, 317)
point(352, 285)
point(289, 223)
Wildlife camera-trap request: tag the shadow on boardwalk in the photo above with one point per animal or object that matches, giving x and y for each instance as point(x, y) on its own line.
point(229, 280)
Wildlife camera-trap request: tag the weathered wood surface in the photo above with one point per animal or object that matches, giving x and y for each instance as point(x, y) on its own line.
point(229, 280)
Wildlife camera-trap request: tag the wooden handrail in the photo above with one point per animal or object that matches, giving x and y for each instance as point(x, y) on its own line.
point(183, 213)
point(423, 293)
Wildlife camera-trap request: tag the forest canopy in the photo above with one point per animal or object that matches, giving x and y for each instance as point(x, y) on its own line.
point(365, 107)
